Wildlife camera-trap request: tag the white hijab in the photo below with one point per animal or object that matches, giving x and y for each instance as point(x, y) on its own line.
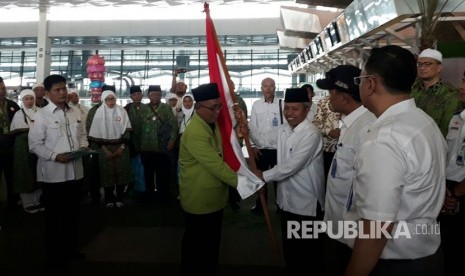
point(187, 113)
point(19, 120)
point(73, 91)
point(109, 123)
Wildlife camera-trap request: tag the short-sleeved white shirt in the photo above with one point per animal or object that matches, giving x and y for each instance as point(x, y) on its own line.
point(341, 173)
point(400, 176)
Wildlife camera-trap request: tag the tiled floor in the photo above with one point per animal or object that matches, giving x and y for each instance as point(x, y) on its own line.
point(142, 239)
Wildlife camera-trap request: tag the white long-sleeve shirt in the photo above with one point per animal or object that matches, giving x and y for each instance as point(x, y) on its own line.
point(56, 131)
point(299, 171)
point(264, 122)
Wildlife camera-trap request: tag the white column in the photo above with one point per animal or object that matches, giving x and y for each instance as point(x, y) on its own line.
point(43, 47)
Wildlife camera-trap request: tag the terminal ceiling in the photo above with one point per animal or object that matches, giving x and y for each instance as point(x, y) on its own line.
point(157, 3)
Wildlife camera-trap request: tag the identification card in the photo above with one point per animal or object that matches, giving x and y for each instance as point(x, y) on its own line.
point(275, 122)
point(460, 156)
point(334, 168)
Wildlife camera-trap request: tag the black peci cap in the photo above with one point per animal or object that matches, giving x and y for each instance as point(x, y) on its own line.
point(206, 92)
point(296, 95)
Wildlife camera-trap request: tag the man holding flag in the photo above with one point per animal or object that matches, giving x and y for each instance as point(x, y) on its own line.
point(210, 161)
point(203, 193)
point(204, 181)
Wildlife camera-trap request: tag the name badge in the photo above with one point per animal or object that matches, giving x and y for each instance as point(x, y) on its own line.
point(275, 122)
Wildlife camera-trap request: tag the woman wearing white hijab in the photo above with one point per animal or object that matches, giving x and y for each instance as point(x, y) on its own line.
point(24, 162)
point(108, 132)
point(184, 118)
point(187, 112)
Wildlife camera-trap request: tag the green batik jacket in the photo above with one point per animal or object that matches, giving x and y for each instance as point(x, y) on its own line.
point(136, 123)
point(159, 126)
point(439, 101)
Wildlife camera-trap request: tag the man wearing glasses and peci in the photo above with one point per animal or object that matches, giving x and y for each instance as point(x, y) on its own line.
point(434, 96)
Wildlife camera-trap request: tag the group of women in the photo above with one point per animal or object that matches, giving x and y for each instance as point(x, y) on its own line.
point(109, 129)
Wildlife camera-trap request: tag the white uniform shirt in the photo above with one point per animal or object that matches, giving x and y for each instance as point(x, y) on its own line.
point(264, 122)
point(54, 133)
point(312, 112)
point(455, 143)
point(400, 176)
point(341, 173)
point(299, 171)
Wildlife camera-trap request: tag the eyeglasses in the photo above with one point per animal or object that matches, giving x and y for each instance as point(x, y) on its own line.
point(425, 64)
point(358, 79)
point(213, 108)
point(110, 99)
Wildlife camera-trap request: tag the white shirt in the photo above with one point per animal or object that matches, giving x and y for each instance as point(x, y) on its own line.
point(312, 112)
point(81, 108)
point(341, 173)
point(299, 171)
point(264, 122)
point(53, 133)
point(400, 176)
point(455, 142)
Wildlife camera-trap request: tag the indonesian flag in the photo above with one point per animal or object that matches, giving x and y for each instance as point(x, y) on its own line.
point(248, 182)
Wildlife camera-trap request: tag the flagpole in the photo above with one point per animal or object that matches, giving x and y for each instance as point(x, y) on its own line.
point(243, 122)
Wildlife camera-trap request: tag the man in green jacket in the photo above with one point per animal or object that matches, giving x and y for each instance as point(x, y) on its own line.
point(204, 183)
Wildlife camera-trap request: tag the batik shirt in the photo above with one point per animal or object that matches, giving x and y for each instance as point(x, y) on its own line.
point(326, 120)
point(439, 101)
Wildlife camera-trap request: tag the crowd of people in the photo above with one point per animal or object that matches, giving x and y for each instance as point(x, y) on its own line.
point(384, 149)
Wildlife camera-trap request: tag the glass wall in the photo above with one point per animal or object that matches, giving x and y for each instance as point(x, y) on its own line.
point(137, 66)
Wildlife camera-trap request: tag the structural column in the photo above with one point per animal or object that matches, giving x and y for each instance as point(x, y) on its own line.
point(43, 47)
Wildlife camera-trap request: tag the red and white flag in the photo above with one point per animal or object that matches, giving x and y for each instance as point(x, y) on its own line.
point(248, 182)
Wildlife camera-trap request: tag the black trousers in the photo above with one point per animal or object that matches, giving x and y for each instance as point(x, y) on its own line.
point(201, 243)
point(453, 238)
point(267, 160)
point(428, 266)
point(327, 160)
point(337, 257)
point(6, 169)
point(302, 254)
point(157, 163)
point(62, 203)
point(91, 181)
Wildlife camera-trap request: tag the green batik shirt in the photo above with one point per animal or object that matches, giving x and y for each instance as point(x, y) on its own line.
point(136, 123)
point(157, 123)
point(439, 101)
point(4, 120)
